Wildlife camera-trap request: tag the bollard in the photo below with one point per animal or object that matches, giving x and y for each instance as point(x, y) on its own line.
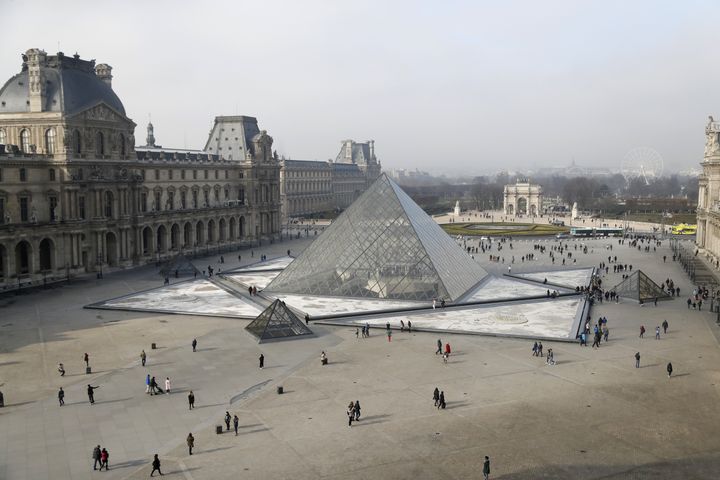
point(88, 370)
point(280, 390)
point(153, 346)
point(218, 429)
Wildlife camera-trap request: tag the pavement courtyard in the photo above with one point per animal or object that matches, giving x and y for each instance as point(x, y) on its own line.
point(591, 416)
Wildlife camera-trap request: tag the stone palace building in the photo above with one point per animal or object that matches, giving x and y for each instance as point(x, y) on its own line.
point(77, 195)
point(708, 207)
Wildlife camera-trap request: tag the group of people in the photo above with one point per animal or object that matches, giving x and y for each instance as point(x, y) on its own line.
point(353, 412)
point(439, 398)
point(445, 354)
point(235, 421)
point(100, 456)
point(152, 387)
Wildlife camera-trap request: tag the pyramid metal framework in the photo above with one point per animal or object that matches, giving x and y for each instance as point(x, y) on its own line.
point(383, 246)
point(179, 263)
point(638, 286)
point(277, 322)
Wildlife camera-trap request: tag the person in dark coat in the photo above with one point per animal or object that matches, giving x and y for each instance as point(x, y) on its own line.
point(236, 423)
point(357, 410)
point(227, 421)
point(61, 396)
point(262, 360)
point(665, 326)
point(669, 369)
point(439, 345)
point(156, 465)
point(190, 442)
point(194, 344)
point(441, 400)
point(436, 396)
point(104, 456)
point(96, 457)
point(637, 360)
point(486, 468)
point(90, 392)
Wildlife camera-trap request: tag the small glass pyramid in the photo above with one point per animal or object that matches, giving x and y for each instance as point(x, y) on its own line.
point(277, 322)
point(383, 246)
point(638, 286)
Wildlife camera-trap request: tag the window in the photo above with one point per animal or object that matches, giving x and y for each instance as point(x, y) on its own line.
point(77, 142)
point(25, 140)
point(51, 173)
point(241, 195)
point(2, 212)
point(182, 199)
point(171, 201)
point(158, 197)
point(143, 202)
point(80, 173)
point(217, 195)
point(100, 144)
point(3, 138)
point(242, 175)
point(122, 145)
point(206, 195)
point(227, 194)
point(157, 174)
point(52, 201)
point(0, 174)
point(24, 209)
point(182, 174)
point(195, 199)
point(206, 174)
point(227, 174)
point(108, 205)
point(50, 141)
point(217, 174)
point(194, 174)
point(81, 207)
point(170, 174)
point(23, 175)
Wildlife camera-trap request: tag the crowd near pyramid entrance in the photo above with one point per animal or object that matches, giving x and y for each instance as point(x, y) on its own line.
point(639, 287)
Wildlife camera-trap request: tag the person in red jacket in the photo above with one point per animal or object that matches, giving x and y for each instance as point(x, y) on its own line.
point(447, 349)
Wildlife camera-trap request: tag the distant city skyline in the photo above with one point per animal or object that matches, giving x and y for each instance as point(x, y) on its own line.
point(458, 88)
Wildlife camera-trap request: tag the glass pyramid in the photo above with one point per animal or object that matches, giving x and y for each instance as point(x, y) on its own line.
point(277, 322)
point(639, 286)
point(383, 246)
point(179, 263)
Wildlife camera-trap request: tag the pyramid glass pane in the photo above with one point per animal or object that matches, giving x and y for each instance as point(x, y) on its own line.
point(382, 246)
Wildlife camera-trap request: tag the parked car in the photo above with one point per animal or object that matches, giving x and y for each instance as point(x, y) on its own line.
point(562, 235)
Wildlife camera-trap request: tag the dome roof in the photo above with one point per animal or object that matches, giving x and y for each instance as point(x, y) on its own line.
point(71, 85)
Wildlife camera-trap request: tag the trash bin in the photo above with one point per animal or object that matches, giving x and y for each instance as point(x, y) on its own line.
point(218, 429)
point(153, 346)
point(88, 370)
point(280, 390)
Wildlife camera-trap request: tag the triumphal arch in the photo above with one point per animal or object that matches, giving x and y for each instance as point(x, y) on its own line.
point(522, 198)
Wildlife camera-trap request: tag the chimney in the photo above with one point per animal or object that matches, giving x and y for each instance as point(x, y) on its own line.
point(348, 150)
point(104, 73)
point(372, 149)
point(36, 60)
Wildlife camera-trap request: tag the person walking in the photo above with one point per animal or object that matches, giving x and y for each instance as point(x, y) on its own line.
point(445, 357)
point(606, 332)
point(669, 369)
point(596, 341)
point(357, 410)
point(447, 349)
point(436, 396)
point(439, 347)
point(262, 360)
point(236, 424)
point(191, 400)
point(190, 442)
point(227, 421)
point(104, 456)
point(61, 396)
point(540, 348)
point(147, 383)
point(486, 468)
point(441, 401)
point(409, 326)
point(143, 357)
point(657, 332)
point(637, 360)
point(389, 335)
point(642, 330)
point(535, 349)
point(194, 345)
point(153, 386)
point(665, 326)
point(350, 413)
point(61, 369)
point(96, 457)
point(86, 358)
point(91, 394)
point(155, 465)
point(167, 385)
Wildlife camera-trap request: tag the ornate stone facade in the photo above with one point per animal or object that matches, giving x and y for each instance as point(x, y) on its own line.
point(522, 198)
point(308, 187)
point(76, 195)
point(708, 207)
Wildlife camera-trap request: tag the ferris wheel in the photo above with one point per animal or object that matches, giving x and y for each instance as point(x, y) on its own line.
point(642, 162)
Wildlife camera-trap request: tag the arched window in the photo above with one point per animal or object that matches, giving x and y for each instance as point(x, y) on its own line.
point(25, 140)
point(3, 139)
point(50, 141)
point(77, 143)
point(100, 144)
point(122, 144)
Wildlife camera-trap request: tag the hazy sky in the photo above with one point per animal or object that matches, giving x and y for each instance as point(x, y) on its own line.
point(445, 86)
